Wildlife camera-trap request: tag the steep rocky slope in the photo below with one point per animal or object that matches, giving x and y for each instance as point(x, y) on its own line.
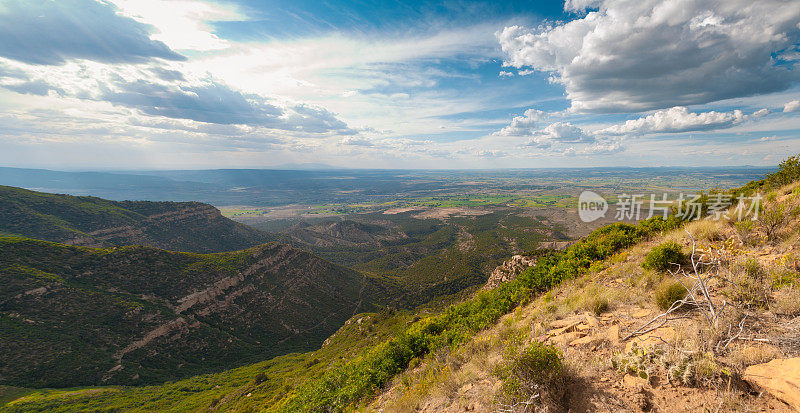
point(131, 315)
point(623, 349)
point(96, 222)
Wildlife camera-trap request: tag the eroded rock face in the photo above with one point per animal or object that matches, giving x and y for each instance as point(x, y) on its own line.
point(187, 226)
point(779, 377)
point(509, 270)
point(345, 233)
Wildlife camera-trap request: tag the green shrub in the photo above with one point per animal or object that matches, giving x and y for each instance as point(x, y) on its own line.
point(745, 230)
point(771, 220)
point(667, 292)
point(662, 257)
point(785, 275)
point(658, 224)
point(788, 172)
point(260, 378)
point(537, 370)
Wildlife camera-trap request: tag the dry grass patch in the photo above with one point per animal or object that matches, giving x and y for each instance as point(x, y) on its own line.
point(748, 283)
point(668, 292)
point(706, 230)
point(596, 299)
point(786, 301)
point(744, 355)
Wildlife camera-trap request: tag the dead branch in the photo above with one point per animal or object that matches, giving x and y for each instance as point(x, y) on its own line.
point(704, 266)
point(732, 338)
point(525, 404)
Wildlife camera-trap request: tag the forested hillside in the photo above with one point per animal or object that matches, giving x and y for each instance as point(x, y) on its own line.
point(90, 221)
point(74, 316)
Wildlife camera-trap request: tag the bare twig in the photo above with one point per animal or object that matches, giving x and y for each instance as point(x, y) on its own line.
point(732, 338)
point(664, 318)
point(704, 266)
point(525, 404)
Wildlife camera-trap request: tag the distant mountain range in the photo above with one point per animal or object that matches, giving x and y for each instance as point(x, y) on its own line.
point(96, 222)
point(307, 167)
point(317, 184)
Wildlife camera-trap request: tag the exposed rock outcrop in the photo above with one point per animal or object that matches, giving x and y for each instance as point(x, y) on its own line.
point(509, 270)
point(780, 377)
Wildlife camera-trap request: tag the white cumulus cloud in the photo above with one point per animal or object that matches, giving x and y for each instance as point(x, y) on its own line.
point(637, 55)
point(561, 132)
point(792, 106)
point(679, 119)
point(522, 125)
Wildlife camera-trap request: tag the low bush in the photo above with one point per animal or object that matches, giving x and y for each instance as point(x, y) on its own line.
point(667, 292)
point(536, 373)
point(788, 172)
point(664, 257)
point(745, 230)
point(771, 219)
point(786, 273)
point(260, 378)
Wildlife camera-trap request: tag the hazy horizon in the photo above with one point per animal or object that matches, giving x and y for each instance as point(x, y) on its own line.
point(332, 168)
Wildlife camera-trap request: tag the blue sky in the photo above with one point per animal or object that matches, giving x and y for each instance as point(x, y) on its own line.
point(167, 84)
